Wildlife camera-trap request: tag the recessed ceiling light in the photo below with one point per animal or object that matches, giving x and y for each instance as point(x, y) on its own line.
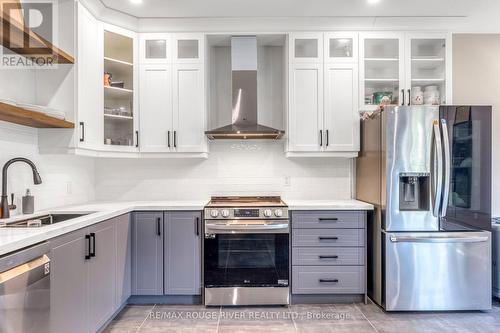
point(136, 2)
point(373, 1)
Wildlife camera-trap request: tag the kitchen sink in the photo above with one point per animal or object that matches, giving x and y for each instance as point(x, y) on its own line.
point(44, 220)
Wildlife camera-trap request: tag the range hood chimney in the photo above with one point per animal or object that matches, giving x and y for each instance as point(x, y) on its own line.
point(244, 92)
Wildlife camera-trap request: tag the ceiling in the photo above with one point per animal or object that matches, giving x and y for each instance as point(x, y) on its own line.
point(299, 8)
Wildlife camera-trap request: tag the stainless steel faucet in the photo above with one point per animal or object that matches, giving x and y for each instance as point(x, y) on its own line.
point(4, 212)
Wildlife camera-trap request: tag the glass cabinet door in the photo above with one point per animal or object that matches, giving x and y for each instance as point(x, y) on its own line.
point(306, 47)
point(427, 70)
point(188, 48)
point(341, 47)
point(119, 129)
point(381, 70)
point(155, 48)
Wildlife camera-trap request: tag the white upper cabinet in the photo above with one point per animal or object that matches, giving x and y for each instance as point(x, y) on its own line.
point(428, 68)
point(155, 48)
point(156, 108)
point(89, 82)
point(305, 118)
point(172, 95)
point(188, 48)
point(306, 47)
point(381, 69)
point(120, 109)
point(189, 115)
point(341, 47)
point(404, 69)
point(341, 125)
point(323, 115)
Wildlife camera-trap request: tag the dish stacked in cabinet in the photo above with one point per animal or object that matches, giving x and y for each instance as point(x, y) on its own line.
point(328, 253)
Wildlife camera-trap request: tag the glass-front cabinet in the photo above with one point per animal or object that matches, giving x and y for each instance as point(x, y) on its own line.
point(341, 47)
point(428, 62)
point(382, 69)
point(404, 69)
point(120, 114)
point(155, 48)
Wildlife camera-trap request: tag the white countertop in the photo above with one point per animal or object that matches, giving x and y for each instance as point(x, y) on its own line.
point(328, 205)
point(12, 239)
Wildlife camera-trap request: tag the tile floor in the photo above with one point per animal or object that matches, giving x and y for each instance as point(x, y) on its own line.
point(344, 318)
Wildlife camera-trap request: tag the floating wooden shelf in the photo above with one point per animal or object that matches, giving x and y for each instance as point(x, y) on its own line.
point(20, 116)
point(20, 36)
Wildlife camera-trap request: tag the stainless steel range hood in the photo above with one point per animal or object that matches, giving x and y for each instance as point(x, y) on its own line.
point(244, 95)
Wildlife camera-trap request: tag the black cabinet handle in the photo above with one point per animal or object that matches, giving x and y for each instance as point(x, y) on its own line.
point(329, 219)
point(328, 280)
point(92, 253)
point(137, 139)
point(403, 95)
point(87, 238)
point(328, 238)
point(327, 138)
point(82, 136)
point(158, 226)
point(168, 139)
point(321, 138)
point(409, 97)
point(197, 222)
point(175, 139)
point(328, 257)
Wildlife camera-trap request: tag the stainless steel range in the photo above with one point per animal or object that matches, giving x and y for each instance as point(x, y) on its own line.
point(246, 251)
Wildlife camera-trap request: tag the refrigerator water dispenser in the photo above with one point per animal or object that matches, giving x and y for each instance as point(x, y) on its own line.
point(414, 191)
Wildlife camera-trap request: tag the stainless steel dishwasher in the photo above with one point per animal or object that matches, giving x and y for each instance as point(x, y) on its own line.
point(25, 290)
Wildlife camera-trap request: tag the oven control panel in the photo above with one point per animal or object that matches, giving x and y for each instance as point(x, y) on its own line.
point(217, 213)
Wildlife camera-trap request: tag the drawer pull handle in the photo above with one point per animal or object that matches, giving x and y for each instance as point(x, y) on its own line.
point(332, 219)
point(328, 238)
point(328, 280)
point(328, 257)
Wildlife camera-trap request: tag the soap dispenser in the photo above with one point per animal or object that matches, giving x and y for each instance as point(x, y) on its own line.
point(28, 203)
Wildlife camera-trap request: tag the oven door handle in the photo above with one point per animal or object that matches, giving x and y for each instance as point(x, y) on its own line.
point(246, 229)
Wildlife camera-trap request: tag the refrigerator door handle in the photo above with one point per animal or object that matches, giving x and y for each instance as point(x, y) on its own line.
point(447, 168)
point(436, 179)
point(413, 239)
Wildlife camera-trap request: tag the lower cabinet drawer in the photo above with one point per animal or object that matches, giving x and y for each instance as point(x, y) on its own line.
point(328, 279)
point(321, 256)
point(328, 237)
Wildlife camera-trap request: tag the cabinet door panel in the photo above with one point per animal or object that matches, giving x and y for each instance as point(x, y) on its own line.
point(189, 108)
point(183, 253)
point(102, 274)
point(89, 69)
point(341, 108)
point(155, 48)
point(306, 107)
point(123, 259)
point(428, 68)
point(306, 47)
point(381, 69)
point(69, 284)
point(147, 253)
point(156, 108)
point(188, 48)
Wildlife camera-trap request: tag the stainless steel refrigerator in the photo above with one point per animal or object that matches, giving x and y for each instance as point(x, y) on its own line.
point(427, 171)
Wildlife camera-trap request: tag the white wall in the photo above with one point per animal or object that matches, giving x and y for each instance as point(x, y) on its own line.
point(476, 80)
point(66, 179)
point(229, 170)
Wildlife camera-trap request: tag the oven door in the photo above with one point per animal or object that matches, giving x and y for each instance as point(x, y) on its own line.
point(246, 254)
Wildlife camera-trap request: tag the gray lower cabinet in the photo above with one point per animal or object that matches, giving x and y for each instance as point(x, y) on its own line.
point(102, 274)
point(123, 258)
point(182, 253)
point(328, 252)
point(69, 291)
point(84, 277)
point(147, 253)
